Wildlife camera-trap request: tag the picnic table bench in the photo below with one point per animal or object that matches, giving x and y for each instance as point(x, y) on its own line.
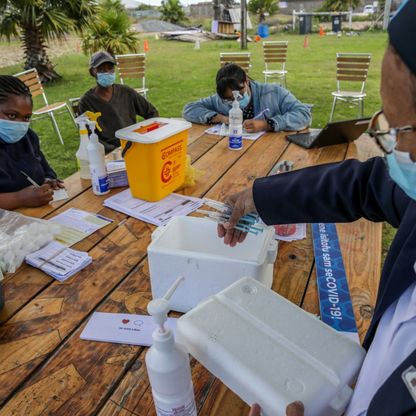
point(46, 369)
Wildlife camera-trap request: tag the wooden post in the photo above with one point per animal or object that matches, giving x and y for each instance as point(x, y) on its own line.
point(386, 19)
point(243, 24)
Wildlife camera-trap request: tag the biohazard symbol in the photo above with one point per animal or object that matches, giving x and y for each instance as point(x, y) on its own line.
point(166, 174)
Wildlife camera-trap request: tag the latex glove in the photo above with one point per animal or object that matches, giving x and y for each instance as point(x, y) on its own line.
point(55, 184)
point(35, 197)
point(253, 126)
point(293, 409)
point(242, 203)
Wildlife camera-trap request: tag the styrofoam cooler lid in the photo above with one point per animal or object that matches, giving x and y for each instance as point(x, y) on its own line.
point(168, 127)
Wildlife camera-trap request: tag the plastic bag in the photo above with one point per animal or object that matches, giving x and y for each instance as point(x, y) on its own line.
point(21, 235)
point(191, 174)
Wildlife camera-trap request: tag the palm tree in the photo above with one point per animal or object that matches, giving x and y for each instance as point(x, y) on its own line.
point(261, 7)
point(340, 5)
point(172, 11)
point(111, 30)
point(37, 21)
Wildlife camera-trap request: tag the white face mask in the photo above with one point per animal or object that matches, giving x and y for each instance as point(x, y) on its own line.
point(402, 170)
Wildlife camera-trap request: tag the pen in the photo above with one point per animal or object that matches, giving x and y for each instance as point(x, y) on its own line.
point(266, 110)
point(36, 185)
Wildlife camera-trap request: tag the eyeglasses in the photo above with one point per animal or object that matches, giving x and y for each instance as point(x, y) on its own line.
point(384, 135)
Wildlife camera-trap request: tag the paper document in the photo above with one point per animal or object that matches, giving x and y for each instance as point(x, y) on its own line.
point(117, 175)
point(78, 224)
point(60, 194)
point(122, 328)
point(157, 213)
point(223, 130)
point(58, 260)
point(298, 234)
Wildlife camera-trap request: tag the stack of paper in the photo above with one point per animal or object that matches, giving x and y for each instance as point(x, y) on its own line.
point(157, 213)
point(58, 260)
point(224, 130)
point(117, 174)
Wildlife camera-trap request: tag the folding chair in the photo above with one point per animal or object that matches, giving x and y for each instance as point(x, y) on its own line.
point(275, 54)
point(239, 58)
point(133, 66)
point(351, 68)
point(32, 81)
point(74, 103)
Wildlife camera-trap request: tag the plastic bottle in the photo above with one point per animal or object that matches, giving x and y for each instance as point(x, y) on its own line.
point(82, 153)
point(235, 125)
point(168, 365)
point(96, 156)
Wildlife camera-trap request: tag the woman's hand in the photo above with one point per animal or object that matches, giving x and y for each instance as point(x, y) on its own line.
point(219, 118)
point(293, 409)
point(241, 203)
point(35, 197)
point(55, 184)
point(253, 126)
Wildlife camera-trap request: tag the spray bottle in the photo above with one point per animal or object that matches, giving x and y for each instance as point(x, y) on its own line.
point(82, 153)
point(168, 365)
point(235, 117)
point(96, 156)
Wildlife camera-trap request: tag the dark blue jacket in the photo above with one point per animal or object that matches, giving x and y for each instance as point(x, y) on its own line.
point(344, 192)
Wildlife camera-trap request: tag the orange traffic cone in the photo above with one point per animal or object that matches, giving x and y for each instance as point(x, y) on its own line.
point(306, 42)
point(321, 31)
point(145, 46)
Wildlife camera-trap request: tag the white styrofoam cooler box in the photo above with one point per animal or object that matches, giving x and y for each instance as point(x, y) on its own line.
point(190, 247)
point(269, 351)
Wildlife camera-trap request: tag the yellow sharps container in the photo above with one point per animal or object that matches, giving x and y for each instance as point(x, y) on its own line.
point(155, 155)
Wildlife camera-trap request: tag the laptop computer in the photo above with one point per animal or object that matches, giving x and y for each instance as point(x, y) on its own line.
point(333, 133)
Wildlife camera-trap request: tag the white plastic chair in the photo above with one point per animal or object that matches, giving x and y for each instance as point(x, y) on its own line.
point(351, 68)
point(32, 81)
point(133, 65)
point(242, 59)
point(275, 55)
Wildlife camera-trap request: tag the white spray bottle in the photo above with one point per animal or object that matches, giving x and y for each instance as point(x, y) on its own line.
point(96, 156)
point(235, 117)
point(82, 153)
point(168, 365)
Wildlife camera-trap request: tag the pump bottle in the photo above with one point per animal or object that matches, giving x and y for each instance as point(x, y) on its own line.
point(168, 365)
point(96, 156)
point(82, 153)
point(235, 116)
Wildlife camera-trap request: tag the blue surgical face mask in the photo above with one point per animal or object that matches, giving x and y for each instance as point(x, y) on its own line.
point(13, 131)
point(106, 79)
point(244, 101)
point(402, 170)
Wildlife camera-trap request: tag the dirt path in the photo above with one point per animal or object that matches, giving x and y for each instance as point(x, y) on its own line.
point(12, 53)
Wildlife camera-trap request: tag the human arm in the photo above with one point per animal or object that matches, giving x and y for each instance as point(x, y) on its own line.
point(291, 115)
point(253, 126)
point(338, 192)
point(143, 107)
point(205, 110)
point(26, 197)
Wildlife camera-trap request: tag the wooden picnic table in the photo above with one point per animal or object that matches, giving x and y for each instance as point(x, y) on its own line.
point(46, 369)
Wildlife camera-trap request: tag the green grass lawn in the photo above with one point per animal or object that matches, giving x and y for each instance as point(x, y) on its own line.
point(177, 74)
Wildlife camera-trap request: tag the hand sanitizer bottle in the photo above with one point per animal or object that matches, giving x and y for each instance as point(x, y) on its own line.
point(235, 117)
point(96, 156)
point(82, 153)
point(168, 365)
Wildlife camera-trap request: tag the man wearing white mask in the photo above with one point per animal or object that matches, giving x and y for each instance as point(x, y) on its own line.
point(381, 189)
point(118, 104)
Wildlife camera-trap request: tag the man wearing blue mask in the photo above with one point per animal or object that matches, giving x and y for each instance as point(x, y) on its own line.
point(119, 105)
point(381, 189)
point(266, 107)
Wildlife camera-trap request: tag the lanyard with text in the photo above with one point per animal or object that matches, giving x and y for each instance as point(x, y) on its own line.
point(334, 296)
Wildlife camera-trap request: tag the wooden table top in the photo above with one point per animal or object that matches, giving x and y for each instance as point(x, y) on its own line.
point(46, 369)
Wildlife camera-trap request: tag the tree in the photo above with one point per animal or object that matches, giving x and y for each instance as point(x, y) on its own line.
point(340, 5)
point(111, 30)
point(261, 7)
point(38, 21)
point(172, 11)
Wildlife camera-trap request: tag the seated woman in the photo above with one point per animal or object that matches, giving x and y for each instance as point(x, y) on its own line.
point(20, 154)
point(266, 107)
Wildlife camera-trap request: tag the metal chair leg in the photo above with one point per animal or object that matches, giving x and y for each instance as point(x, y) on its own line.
point(333, 109)
point(362, 108)
point(72, 116)
point(284, 82)
point(55, 126)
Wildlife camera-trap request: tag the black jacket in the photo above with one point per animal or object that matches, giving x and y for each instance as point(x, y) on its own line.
point(344, 192)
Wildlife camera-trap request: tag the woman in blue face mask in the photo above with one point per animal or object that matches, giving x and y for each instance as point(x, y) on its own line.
point(20, 154)
point(266, 107)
